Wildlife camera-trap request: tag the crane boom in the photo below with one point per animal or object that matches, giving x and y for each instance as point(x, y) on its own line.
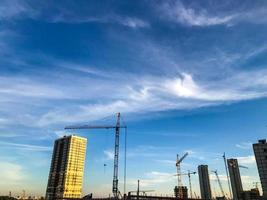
point(242, 166)
point(117, 128)
point(181, 159)
point(93, 127)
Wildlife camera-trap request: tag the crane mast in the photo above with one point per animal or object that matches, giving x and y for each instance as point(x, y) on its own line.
point(179, 177)
point(190, 184)
point(227, 175)
point(116, 158)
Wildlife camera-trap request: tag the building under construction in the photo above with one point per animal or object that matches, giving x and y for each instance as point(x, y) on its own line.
point(204, 182)
point(67, 167)
point(235, 178)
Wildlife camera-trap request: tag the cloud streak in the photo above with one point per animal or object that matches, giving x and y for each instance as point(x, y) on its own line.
point(246, 160)
point(157, 94)
point(14, 9)
point(148, 94)
point(177, 12)
point(27, 147)
point(244, 145)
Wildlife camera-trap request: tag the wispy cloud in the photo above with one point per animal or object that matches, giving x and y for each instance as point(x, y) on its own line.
point(131, 22)
point(178, 12)
point(167, 162)
point(27, 147)
point(246, 160)
point(222, 177)
point(11, 9)
point(154, 178)
point(25, 87)
point(157, 94)
point(109, 154)
point(14, 9)
point(244, 145)
point(10, 172)
point(189, 15)
point(149, 94)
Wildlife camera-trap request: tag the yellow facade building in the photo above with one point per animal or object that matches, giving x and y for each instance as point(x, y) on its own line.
point(67, 168)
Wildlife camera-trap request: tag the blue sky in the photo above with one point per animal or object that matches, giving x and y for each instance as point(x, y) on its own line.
point(187, 76)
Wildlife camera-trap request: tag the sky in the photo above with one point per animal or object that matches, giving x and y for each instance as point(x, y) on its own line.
point(187, 76)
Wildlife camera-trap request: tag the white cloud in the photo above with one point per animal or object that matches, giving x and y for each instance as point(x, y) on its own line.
point(154, 178)
point(109, 154)
point(27, 147)
point(222, 177)
point(200, 16)
point(179, 13)
point(10, 9)
point(14, 9)
point(246, 160)
point(255, 16)
point(10, 172)
point(244, 145)
point(27, 88)
point(131, 22)
point(167, 162)
point(149, 94)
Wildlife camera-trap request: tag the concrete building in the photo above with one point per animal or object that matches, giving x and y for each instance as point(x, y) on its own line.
point(260, 151)
point(67, 167)
point(204, 182)
point(235, 178)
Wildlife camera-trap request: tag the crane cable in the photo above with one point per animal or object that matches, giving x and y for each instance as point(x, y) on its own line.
point(125, 155)
point(125, 161)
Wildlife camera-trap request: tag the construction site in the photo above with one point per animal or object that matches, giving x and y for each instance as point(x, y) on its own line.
point(180, 191)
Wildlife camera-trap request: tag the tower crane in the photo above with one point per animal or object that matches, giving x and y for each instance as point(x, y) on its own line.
point(219, 182)
point(117, 128)
point(189, 173)
point(227, 175)
point(178, 166)
point(179, 177)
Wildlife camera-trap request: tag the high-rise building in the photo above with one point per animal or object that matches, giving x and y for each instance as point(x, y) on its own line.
point(260, 151)
point(67, 167)
point(204, 182)
point(235, 178)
